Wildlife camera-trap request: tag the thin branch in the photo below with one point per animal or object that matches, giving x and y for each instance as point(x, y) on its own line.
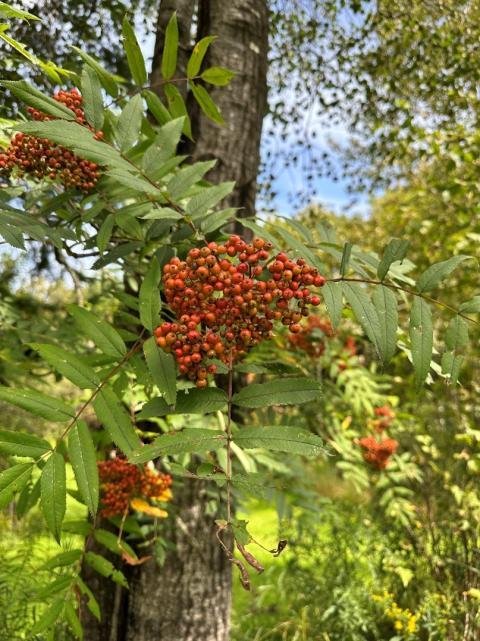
point(135, 347)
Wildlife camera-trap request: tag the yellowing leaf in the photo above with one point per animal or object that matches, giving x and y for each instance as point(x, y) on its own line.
point(139, 505)
point(164, 496)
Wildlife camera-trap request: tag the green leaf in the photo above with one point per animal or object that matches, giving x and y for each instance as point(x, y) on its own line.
point(198, 54)
point(187, 177)
point(436, 273)
point(280, 439)
point(217, 219)
point(200, 401)
point(111, 542)
point(28, 498)
point(106, 78)
point(192, 401)
point(36, 99)
point(394, 251)
point(92, 98)
point(385, 303)
point(162, 213)
point(170, 48)
point(193, 440)
point(105, 568)
point(471, 306)
point(96, 329)
point(134, 54)
point(421, 337)
point(69, 365)
point(13, 480)
point(333, 297)
point(456, 338)
point(136, 182)
point(82, 528)
point(365, 313)
point(149, 297)
point(199, 204)
point(206, 103)
point(105, 232)
point(118, 252)
point(347, 251)
point(451, 365)
point(240, 532)
point(7, 11)
point(15, 218)
point(457, 333)
point(129, 123)
point(155, 408)
point(59, 584)
point(73, 620)
point(37, 403)
point(22, 444)
point(62, 560)
point(219, 76)
point(283, 391)
point(115, 420)
point(51, 615)
point(162, 369)
point(81, 451)
point(164, 146)
point(21, 48)
point(157, 108)
point(53, 497)
point(12, 236)
point(92, 603)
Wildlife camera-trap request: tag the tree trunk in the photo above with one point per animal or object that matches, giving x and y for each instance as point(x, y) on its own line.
point(242, 46)
point(189, 597)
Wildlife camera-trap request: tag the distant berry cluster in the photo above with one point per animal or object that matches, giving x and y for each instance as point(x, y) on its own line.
point(385, 416)
point(378, 452)
point(227, 297)
point(42, 158)
point(122, 483)
point(311, 336)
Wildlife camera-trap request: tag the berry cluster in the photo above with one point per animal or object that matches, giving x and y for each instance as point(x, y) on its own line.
point(122, 483)
point(310, 338)
point(377, 453)
point(40, 157)
point(227, 297)
point(385, 416)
